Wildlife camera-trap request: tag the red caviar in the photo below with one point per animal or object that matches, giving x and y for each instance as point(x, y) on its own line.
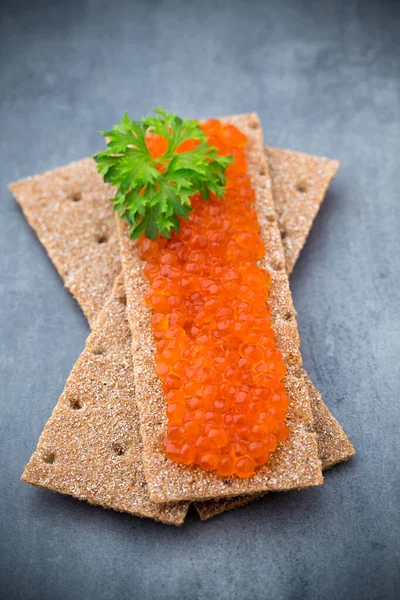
point(216, 355)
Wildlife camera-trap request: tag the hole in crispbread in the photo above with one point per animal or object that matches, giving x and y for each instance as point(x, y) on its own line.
point(122, 299)
point(75, 404)
point(48, 456)
point(291, 359)
point(76, 197)
point(102, 238)
point(284, 234)
point(262, 172)
point(142, 484)
point(98, 351)
point(289, 316)
point(254, 125)
point(118, 448)
point(277, 263)
point(301, 187)
point(270, 218)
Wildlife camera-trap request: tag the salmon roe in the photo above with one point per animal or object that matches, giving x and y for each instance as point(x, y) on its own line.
point(216, 355)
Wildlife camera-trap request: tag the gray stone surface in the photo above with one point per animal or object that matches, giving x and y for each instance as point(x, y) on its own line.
point(324, 77)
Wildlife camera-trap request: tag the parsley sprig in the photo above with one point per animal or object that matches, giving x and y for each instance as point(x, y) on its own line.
point(153, 193)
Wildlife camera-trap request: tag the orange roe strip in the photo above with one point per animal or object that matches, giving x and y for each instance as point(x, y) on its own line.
point(216, 355)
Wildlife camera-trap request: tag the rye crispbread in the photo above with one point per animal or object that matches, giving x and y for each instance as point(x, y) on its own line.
point(90, 447)
point(299, 184)
point(69, 210)
point(295, 463)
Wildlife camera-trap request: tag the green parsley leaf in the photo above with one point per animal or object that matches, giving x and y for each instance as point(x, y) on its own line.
point(152, 201)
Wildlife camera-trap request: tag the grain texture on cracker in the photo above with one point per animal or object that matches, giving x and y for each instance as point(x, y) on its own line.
point(299, 184)
point(69, 210)
point(295, 464)
point(91, 447)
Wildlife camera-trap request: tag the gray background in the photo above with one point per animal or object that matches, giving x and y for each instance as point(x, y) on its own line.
point(324, 77)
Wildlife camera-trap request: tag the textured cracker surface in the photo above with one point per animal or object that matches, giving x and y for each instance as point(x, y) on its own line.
point(91, 446)
point(69, 209)
point(299, 184)
point(295, 464)
point(333, 444)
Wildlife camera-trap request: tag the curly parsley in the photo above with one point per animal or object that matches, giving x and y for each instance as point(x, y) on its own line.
point(152, 193)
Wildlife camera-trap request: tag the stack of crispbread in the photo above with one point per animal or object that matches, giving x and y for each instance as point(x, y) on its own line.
point(103, 440)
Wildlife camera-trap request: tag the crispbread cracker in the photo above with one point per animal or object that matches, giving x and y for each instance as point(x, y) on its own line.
point(295, 463)
point(69, 210)
point(299, 184)
point(90, 447)
point(333, 444)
